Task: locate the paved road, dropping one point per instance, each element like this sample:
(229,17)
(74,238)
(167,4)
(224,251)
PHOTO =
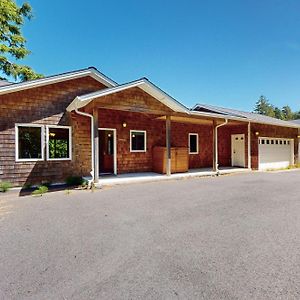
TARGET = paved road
(231,237)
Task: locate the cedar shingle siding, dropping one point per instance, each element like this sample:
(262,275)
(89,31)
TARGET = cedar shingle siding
(44,105)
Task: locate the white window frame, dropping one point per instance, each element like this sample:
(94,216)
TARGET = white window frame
(197,139)
(47,142)
(17,125)
(145,140)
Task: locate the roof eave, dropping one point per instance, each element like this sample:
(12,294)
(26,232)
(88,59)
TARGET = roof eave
(55,79)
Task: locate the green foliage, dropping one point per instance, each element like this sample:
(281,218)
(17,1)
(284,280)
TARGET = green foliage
(58,148)
(12,42)
(74,180)
(287,113)
(5,186)
(264,107)
(42,189)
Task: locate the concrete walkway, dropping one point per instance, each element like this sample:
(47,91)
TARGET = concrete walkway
(109,180)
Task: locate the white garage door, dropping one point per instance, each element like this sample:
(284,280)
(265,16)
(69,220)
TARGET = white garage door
(275,153)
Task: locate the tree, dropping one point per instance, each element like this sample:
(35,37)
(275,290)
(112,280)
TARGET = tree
(297,115)
(278,113)
(12,42)
(287,113)
(263,107)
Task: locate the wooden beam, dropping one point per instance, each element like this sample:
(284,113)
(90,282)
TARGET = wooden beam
(168,145)
(96,145)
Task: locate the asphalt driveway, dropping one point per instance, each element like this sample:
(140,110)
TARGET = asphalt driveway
(231,237)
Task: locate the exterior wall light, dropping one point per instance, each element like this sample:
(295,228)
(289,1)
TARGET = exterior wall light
(257,133)
(124,124)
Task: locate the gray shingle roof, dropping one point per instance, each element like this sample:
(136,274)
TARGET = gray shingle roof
(247,115)
(296,121)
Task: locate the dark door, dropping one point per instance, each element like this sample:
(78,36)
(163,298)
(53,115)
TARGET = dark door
(106,148)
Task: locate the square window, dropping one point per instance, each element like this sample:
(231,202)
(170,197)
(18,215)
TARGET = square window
(193,143)
(276,142)
(137,141)
(272,142)
(58,143)
(268,142)
(29,142)
(263,142)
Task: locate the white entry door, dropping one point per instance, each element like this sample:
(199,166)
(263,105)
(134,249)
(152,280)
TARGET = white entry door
(238,150)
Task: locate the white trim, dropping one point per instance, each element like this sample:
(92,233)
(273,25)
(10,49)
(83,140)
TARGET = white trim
(58,78)
(145,141)
(47,142)
(197,139)
(17,125)
(115,147)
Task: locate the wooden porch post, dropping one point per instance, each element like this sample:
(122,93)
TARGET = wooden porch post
(249,145)
(168,145)
(96,145)
(215,148)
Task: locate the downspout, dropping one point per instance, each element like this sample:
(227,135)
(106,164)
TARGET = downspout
(216,145)
(92,137)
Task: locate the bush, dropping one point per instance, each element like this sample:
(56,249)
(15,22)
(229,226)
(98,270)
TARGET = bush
(74,180)
(42,189)
(4,186)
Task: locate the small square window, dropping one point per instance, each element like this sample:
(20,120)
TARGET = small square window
(137,141)
(276,142)
(263,142)
(272,142)
(280,142)
(193,143)
(268,142)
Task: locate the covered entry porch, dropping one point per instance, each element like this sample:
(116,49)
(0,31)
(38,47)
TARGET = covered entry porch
(128,124)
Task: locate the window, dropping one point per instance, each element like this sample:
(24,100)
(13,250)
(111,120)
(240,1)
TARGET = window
(137,141)
(29,142)
(193,143)
(59,143)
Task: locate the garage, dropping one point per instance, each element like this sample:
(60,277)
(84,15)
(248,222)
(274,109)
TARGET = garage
(275,153)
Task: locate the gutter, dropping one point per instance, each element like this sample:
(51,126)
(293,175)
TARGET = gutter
(92,139)
(216,145)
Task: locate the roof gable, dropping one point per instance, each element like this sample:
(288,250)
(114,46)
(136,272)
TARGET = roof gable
(144,84)
(92,72)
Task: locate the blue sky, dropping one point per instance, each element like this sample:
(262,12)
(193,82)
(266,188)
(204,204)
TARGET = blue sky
(226,53)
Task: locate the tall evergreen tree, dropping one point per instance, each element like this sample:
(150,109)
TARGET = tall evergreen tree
(287,113)
(278,113)
(263,107)
(12,42)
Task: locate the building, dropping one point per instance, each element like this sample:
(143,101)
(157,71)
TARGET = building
(82,123)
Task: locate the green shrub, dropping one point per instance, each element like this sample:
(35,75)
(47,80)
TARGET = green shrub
(42,189)
(4,186)
(74,180)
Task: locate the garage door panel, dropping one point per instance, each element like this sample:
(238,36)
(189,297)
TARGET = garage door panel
(275,153)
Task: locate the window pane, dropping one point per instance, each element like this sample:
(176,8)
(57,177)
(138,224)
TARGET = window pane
(59,143)
(193,143)
(137,141)
(29,141)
